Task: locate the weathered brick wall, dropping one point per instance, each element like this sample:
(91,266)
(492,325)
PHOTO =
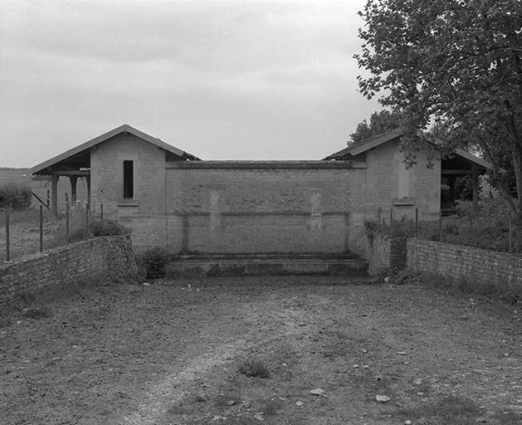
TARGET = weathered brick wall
(383,180)
(385,254)
(145,212)
(462,262)
(108,258)
(260,207)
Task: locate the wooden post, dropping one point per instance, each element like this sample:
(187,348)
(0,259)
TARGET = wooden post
(7,238)
(74,180)
(379,216)
(67,233)
(471,236)
(54,194)
(41,228)
(416,222)
(391,215)
(440,226)
(475,190)
(87,219)
(101,215)
(88,178)
(510,236)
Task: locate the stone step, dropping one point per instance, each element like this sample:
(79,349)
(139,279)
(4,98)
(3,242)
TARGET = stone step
(267,264)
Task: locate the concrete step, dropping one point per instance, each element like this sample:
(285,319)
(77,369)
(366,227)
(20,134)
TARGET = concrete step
(268,264)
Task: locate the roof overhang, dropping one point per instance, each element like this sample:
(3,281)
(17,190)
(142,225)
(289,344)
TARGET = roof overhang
(79,156)
(373,142)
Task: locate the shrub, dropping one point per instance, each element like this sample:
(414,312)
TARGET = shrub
(153,262)
(15,196)
(488,229)
(107,228)
(254,369)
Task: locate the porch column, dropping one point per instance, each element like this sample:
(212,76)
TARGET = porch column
(475,189)
(74,180)
(54,194)
(451,184)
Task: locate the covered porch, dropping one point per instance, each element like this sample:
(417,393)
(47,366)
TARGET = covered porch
(73,168)
(458,165)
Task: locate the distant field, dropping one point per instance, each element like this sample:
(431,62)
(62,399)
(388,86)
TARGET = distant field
(42,187)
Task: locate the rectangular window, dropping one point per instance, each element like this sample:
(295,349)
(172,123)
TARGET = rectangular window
(128,179)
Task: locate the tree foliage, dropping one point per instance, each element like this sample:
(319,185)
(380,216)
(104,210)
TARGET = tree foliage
(380,122)
(16,197)
(453,62)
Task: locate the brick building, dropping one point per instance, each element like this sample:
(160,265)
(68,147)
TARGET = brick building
(174,199)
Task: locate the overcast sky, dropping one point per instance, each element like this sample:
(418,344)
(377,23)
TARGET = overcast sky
(230,79)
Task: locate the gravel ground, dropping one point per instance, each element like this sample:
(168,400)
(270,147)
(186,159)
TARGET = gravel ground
(171,353)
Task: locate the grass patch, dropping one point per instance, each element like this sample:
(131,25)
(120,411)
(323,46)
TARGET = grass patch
(42,312)
(462,286)
(37,304)
(448,410)
(269,407)
(254,368)
(456,410)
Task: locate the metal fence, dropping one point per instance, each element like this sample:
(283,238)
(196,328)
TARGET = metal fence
(34,230)
(466,228)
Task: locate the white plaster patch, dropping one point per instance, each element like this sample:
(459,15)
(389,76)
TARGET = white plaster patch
(215,216)
(316,213)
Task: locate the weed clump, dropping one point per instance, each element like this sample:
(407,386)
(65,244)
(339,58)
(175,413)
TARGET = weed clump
(42,312)
(254,368)
(152,263)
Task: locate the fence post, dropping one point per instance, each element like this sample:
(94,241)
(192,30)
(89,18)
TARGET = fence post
(471,238)
(391,215)
(510,235)
(440,226)
(87,219)
(416,222)
(7,240)
(379,215)
(101,215)
(67,233)
(41,228)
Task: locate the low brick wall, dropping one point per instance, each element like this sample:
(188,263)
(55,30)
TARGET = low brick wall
(108,258)
(457,261)
(385,254)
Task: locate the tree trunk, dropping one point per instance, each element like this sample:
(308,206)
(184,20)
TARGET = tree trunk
(517,164)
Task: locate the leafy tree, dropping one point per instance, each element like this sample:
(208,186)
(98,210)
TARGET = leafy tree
(380,122)
(453,62)
(15,196)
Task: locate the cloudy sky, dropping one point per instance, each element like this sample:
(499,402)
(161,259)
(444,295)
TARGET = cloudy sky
(221,79)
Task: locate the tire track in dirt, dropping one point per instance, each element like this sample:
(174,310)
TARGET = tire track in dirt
(170,390)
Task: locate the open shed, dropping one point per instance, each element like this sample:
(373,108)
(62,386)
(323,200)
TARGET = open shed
(456,164)
(78,162)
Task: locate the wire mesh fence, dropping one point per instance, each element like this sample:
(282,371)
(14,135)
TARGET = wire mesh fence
(490,227)
(32,230)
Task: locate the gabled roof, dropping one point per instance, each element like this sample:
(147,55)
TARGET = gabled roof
(372,142)
(76,152)
(364,145)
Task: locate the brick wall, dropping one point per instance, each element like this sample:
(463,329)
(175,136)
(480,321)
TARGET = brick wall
(108,258)
(456,261)
(261,207)
(386,254)
(383,178)
(145,212)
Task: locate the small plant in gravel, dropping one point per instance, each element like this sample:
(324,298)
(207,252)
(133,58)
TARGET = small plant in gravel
(270,407)
(254,368)
(41,312)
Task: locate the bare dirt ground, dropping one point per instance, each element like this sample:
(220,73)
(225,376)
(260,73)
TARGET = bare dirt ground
(170,353)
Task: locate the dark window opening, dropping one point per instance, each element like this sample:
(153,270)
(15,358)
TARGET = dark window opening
(128,179)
